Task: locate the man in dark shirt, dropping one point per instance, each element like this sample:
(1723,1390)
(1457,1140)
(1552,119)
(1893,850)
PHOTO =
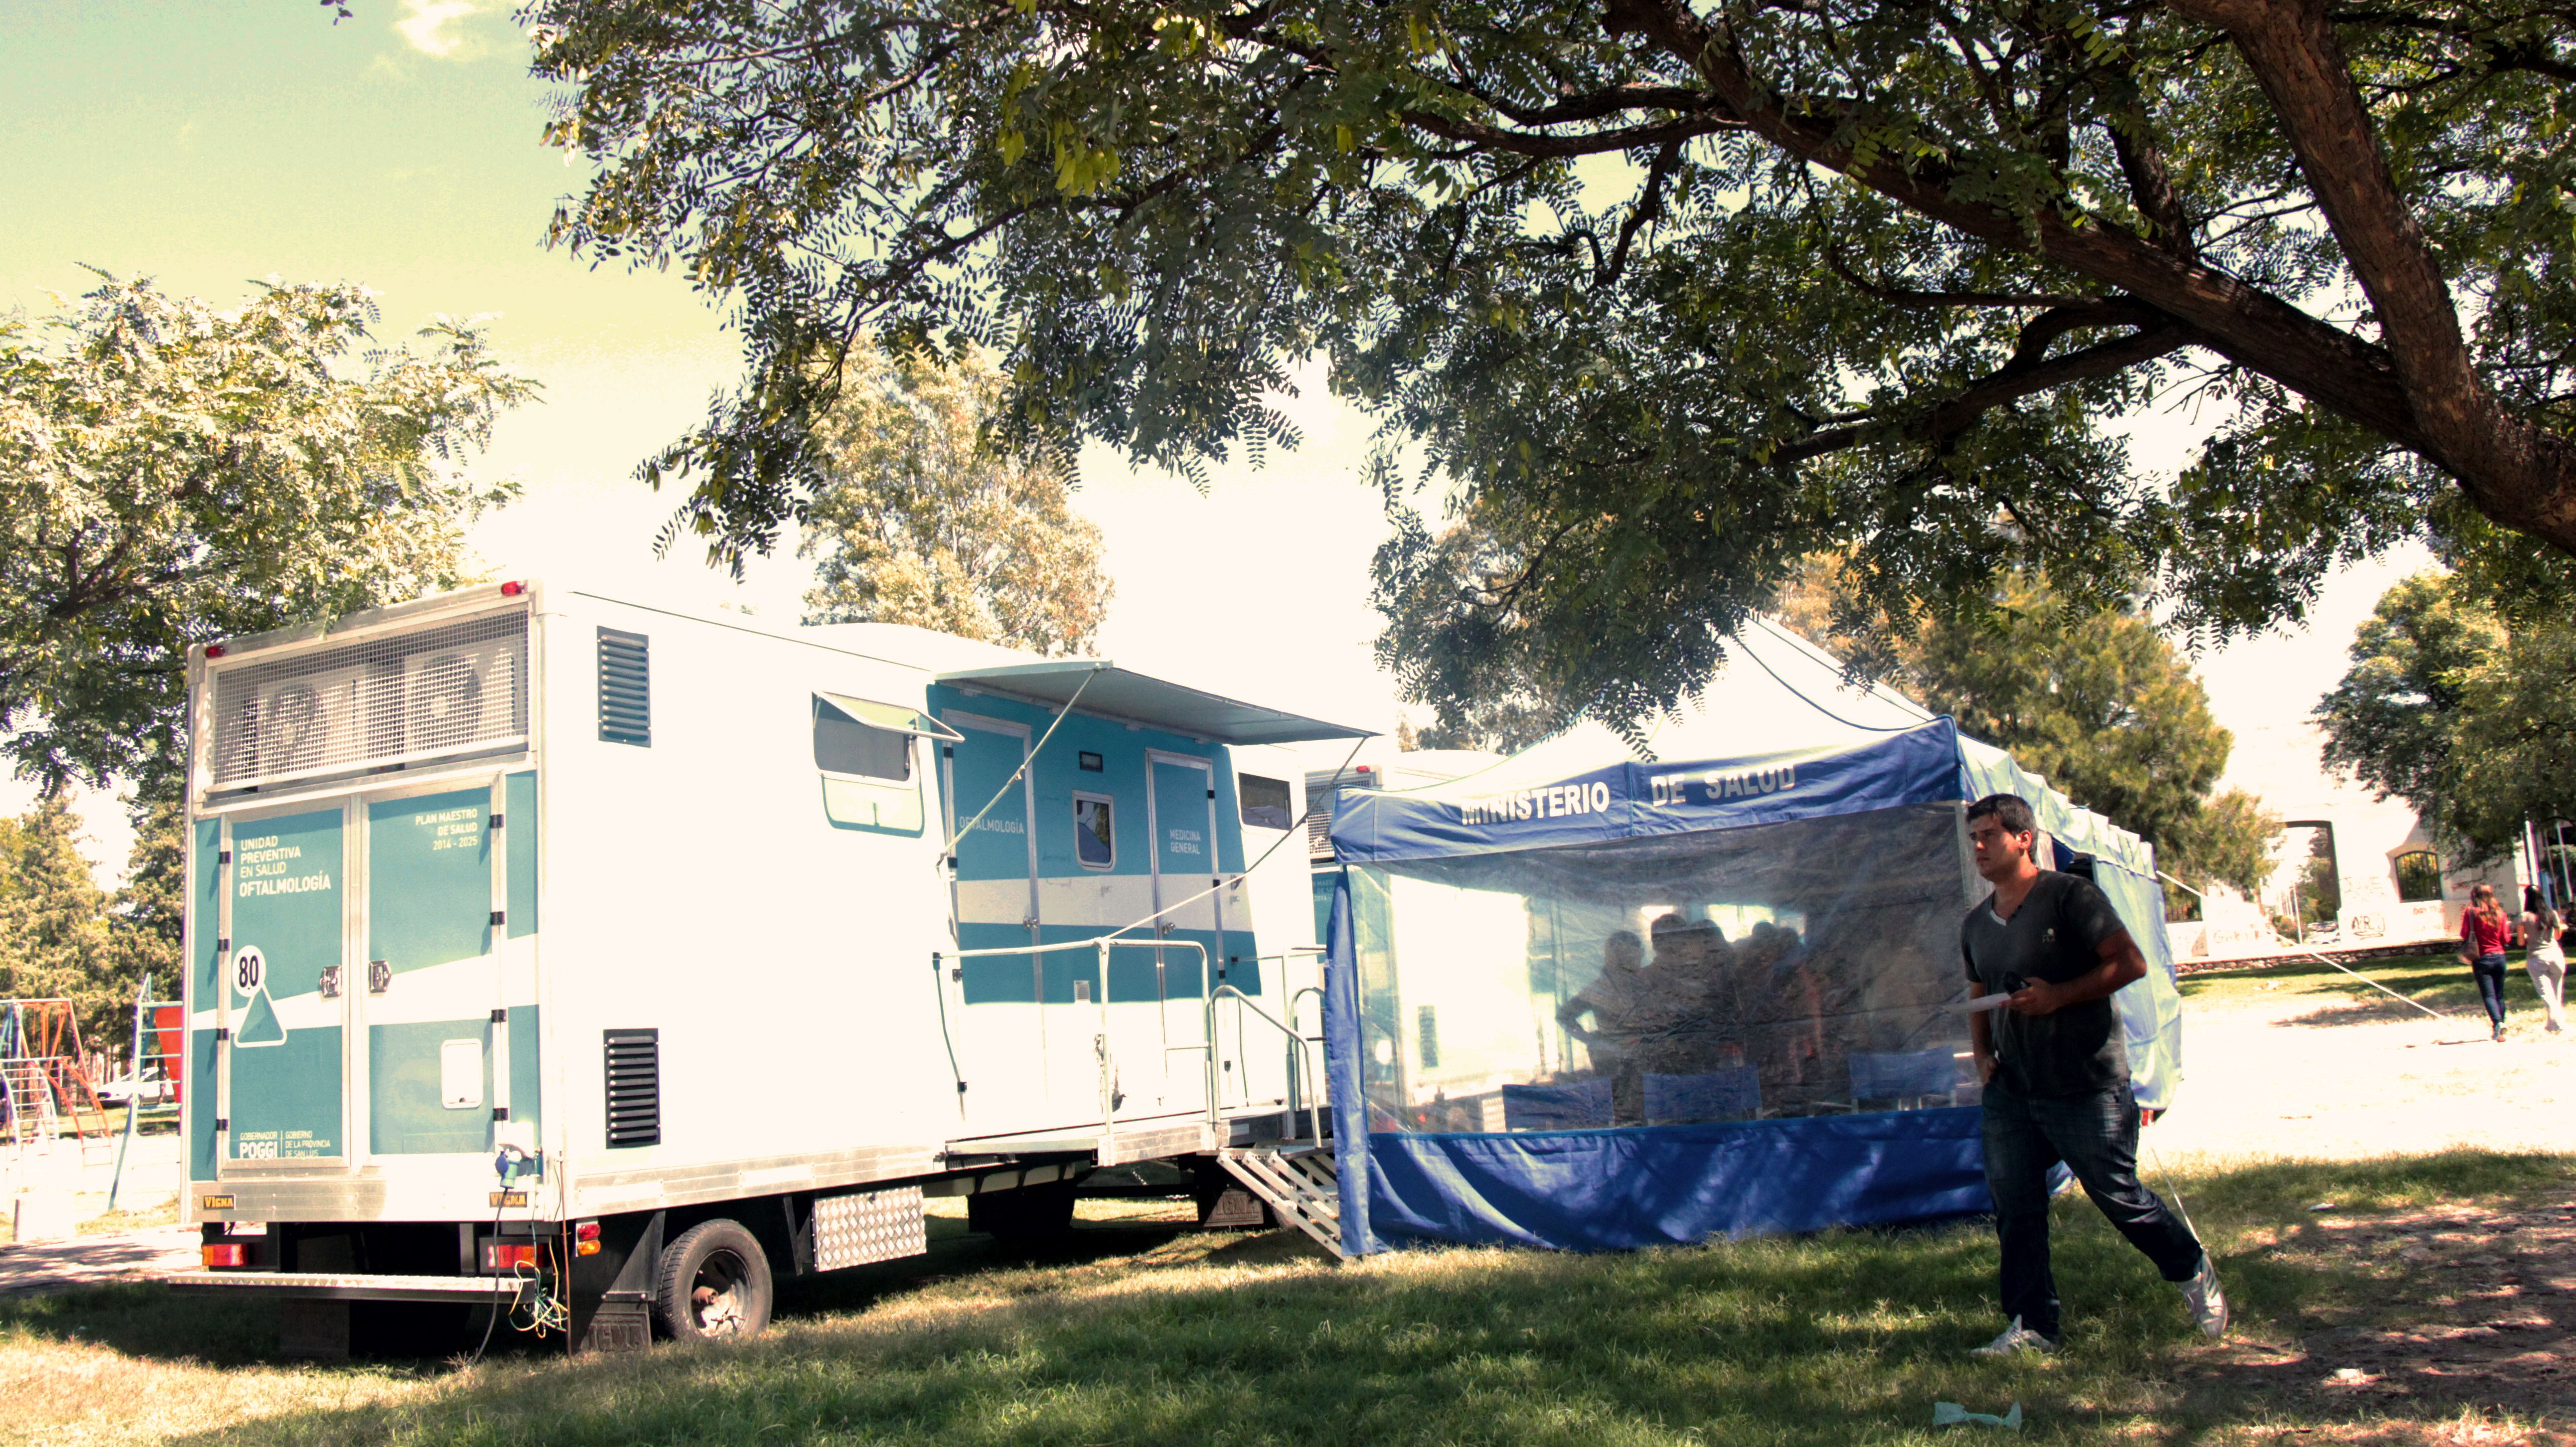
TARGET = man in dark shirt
(2056,1069)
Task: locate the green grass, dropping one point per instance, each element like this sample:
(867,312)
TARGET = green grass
(1142,1332)
(2438,980)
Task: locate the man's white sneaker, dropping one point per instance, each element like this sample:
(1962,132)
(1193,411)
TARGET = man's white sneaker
(2207,1300)
(2016,1339)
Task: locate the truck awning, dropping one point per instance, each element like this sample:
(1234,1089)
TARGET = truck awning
(1132,697)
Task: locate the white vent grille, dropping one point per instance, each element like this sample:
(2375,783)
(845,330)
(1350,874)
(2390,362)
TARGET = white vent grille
(397,699)
(867,1226)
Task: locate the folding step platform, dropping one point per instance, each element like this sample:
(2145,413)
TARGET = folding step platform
(1298,1182)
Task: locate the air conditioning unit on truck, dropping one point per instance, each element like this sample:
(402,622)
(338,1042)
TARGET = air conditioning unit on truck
(596,963)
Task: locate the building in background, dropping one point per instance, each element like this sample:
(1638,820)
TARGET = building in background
(2355,872)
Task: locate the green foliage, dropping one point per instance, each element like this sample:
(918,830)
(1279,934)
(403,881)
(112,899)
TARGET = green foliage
(2392,717)
(54,937)
(2092,699)
(2458,702)
(922,520)
(62,937)
(172,473)
(1663,299)
(2318,890)
(146,917)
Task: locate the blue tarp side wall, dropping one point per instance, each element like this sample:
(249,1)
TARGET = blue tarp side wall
(2151,1010)
(1612,1190)
(1342,1069)
(1594,1190)
(1633,800)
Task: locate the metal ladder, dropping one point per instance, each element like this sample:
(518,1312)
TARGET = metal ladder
(32,1118)
(1298,1181)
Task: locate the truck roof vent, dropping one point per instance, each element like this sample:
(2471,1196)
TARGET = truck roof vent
(625,688)
(386,701)
(634,1087)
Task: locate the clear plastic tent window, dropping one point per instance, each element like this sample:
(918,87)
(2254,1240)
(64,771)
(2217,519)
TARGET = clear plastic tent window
(1788,969)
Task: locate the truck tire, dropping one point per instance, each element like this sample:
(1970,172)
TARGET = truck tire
(712,1283)
(1028,1216)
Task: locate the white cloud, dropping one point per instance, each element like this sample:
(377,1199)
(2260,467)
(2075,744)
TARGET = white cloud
(428,29)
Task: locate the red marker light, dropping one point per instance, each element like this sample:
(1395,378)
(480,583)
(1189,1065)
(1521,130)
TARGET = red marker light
(214,650)
(585,1236)
(512,590)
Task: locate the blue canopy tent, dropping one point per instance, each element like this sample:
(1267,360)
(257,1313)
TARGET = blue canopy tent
(1586,1001)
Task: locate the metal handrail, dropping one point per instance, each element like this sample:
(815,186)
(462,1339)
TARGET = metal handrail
(1297,1061)
(1296,995)
(1300,1065)
(1100,945)
(1101,941)
(1323,1088)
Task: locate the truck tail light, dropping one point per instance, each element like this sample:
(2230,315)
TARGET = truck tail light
(585,1238)
(226,1255)
(509,1255)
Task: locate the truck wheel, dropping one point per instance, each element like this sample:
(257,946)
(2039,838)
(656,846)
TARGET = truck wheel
(713,1282)
(1028,1216)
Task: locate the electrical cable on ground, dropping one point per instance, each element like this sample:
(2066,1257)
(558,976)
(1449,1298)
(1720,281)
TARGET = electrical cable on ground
(500,1198)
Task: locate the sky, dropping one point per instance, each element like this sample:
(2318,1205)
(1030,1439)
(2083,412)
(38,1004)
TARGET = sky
(219,142)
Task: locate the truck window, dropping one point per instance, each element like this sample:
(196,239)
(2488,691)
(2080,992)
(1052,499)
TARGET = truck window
(844,745)
(1265,801)
(1095,832)
(867,771)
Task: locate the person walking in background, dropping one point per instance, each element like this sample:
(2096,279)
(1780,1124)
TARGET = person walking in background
(2485,931)
(2542,955)
(2055,1063)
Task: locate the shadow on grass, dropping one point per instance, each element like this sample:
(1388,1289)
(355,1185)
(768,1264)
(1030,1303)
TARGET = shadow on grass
(1829,1339)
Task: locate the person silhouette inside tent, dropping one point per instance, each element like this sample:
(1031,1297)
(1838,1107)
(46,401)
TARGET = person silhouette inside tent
(1615,1001)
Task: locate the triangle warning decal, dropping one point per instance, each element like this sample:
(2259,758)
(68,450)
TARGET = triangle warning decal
(260,1026)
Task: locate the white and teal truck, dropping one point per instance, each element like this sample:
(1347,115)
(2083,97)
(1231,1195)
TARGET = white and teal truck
(558,954)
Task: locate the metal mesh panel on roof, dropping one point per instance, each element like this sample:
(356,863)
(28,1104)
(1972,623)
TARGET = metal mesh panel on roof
(393,699)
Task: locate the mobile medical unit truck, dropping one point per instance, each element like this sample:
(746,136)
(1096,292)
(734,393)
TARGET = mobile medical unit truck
(597,963)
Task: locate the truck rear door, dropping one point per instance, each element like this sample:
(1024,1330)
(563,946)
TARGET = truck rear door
(283,1017)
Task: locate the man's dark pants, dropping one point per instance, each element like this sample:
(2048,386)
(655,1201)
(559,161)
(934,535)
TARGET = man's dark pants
(2096,1135)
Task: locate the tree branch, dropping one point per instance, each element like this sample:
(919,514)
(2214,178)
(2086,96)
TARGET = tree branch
(1910,297)
(2027,373)
(1588,107)
(2515,472)
(1650,205)
(2247,325)
(1525,143)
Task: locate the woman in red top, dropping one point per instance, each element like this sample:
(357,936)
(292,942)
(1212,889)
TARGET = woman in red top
(2485,931)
